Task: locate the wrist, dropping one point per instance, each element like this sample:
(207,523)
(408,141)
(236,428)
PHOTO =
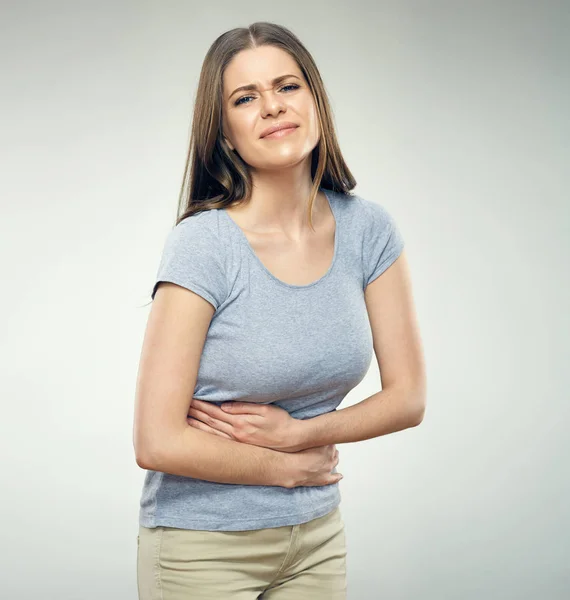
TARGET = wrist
(300,436)
(284,469)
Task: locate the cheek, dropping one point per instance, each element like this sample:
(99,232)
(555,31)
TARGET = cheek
(245,121)
(308,110)
(244,130)
(311,121)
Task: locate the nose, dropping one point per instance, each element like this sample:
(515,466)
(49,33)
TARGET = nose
(271,104)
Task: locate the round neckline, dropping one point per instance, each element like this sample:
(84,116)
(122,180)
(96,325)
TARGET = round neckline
(245,241)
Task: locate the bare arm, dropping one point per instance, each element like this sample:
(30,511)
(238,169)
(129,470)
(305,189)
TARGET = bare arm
(401,403)
(163,441)
(194,453)
(387,411)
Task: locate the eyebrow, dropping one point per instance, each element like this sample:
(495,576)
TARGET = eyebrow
(252,86)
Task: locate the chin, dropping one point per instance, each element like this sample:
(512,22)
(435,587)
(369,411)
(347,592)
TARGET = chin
(281,162)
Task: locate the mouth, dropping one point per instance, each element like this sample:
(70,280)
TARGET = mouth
(280,133)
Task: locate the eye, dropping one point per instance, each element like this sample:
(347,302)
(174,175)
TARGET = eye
(290,85)
(238,102)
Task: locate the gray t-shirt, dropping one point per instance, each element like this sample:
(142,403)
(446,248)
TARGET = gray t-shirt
(300,347)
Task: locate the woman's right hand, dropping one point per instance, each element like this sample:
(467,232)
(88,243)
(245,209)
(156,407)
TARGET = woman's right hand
(313,466)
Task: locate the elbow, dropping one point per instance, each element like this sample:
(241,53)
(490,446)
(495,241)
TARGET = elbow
(152,451)
(146,459)
(417,416)
(155,446)
(143,462)
(148,455)
(418,406)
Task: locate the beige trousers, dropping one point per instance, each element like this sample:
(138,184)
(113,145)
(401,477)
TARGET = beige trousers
(293,562)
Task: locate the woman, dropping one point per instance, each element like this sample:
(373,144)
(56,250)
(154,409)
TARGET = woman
(268,304)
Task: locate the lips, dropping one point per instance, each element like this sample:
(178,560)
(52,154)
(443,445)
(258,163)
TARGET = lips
(278,127)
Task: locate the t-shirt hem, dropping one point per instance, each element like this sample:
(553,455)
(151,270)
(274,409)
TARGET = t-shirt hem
(189,285)
(388,261)
(151,521)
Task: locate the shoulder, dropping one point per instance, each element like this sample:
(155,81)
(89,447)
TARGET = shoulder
(373,214)
(197,233)
(361,209)
(368,218)
(194,257)
(380,239)
(205,222)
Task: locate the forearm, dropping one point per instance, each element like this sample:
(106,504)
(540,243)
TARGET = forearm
(387,411)
(201,455)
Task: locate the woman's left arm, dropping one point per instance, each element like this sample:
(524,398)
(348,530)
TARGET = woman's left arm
(399,405)
(397,345)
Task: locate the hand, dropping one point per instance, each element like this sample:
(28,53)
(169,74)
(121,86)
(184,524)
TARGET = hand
(314,466)
(264,425)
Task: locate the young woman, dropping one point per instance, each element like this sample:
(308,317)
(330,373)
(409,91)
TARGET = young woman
(275,287)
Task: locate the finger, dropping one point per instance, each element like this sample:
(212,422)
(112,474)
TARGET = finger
(243,408)
(211,409)
(207,428)
(214,418)
(211,420)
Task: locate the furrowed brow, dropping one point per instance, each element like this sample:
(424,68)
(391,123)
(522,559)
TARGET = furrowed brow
(252,86)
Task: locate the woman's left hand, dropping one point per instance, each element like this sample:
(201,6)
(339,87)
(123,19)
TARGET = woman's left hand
(264,425)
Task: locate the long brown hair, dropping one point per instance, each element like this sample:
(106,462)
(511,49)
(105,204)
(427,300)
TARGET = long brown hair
(214,175)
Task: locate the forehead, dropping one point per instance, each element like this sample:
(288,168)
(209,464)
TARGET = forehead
(258,66)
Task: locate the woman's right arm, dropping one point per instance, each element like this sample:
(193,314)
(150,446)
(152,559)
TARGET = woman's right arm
(163,441)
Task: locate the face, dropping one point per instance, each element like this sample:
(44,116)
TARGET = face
(247,113)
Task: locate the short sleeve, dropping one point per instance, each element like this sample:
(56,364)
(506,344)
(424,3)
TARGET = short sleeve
(192,258)
(382,243)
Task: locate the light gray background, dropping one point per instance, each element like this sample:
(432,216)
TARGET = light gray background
(453,115)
